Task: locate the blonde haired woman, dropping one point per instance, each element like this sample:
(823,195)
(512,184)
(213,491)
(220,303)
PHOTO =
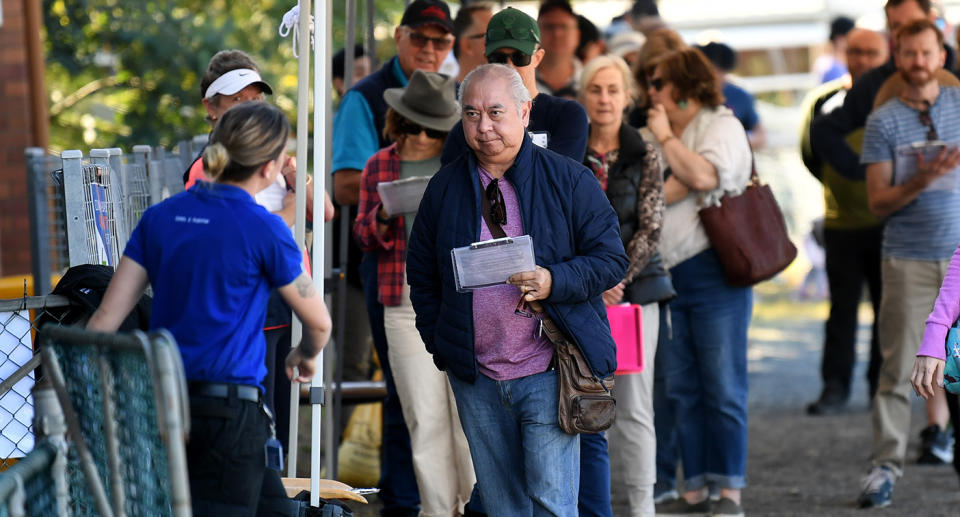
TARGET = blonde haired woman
(215,307)
(628,169)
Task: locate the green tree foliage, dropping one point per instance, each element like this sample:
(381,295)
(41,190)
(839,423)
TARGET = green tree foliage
(121,73)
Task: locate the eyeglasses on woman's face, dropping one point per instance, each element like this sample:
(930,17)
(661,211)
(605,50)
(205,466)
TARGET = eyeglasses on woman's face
(412,128)
(657,83)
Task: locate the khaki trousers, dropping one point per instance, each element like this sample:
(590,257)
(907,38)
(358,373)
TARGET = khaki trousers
(910,288)
(441,456)
(632,440)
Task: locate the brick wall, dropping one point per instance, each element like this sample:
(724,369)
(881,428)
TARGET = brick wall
(15,135)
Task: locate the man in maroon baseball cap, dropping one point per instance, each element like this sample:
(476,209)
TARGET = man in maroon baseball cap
(426,12)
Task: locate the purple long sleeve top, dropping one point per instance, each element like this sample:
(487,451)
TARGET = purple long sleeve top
(945,312)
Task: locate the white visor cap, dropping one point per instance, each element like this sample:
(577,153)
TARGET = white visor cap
(236,80)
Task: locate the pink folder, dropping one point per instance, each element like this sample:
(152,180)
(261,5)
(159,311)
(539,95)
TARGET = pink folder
(627,329)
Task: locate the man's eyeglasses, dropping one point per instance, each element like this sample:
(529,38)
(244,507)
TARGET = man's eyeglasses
(512,33)
(420,40)
(412,128)
(927,120)
(518,58)
(657,83)
(498,210)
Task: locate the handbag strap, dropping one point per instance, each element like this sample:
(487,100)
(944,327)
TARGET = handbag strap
(495,229)
(754,177)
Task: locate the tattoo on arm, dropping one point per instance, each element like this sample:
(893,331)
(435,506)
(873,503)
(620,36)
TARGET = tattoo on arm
(305,286)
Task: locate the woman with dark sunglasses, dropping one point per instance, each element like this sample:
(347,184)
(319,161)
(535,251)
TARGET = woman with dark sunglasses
(418,120)
(705,357)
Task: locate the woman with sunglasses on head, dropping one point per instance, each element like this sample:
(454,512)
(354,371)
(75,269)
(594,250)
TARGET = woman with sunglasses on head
(418,120)
(215,306)
(705,366)
(628,169)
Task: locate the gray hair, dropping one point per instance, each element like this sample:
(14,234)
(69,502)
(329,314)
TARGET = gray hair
(518,92)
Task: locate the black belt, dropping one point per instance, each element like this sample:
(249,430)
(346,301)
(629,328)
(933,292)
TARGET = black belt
(224,391)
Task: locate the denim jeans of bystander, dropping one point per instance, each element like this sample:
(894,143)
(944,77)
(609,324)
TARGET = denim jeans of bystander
(525,464)
(706,372)
(664,419)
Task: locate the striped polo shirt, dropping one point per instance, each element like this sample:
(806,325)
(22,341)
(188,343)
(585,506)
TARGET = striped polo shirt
(928,228)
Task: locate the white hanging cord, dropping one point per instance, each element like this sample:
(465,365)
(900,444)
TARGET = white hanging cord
(290,23)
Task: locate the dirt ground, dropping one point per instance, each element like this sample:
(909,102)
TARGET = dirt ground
(800,465)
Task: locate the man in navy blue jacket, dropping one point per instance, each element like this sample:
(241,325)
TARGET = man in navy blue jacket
(498,364)
(513,39)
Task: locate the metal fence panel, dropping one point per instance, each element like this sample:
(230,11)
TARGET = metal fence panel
(26,488)
(19,320)
(115,390)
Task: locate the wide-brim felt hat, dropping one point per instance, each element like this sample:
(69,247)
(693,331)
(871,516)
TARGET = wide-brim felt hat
(429,99)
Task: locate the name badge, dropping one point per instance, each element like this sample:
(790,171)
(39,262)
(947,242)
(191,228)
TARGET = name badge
(541,138)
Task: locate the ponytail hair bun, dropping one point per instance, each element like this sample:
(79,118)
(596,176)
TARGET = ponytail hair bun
(215,160)
(246,137)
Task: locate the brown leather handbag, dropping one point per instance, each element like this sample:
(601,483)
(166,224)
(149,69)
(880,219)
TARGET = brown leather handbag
(585,403)
(748,234)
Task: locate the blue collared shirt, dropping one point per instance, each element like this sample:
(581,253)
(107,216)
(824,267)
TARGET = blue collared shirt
(212,255)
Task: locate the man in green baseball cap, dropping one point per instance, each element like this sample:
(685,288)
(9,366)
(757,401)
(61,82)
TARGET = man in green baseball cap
(514,29)
(513,39)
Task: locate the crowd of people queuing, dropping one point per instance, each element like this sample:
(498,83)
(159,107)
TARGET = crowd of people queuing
(602,146)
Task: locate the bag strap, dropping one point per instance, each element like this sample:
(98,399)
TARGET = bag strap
(495,229)
(754,177)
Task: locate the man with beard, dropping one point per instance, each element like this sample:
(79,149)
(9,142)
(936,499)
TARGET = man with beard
(921,205)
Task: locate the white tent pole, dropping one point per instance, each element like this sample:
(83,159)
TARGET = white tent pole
(300,221)
(323,14)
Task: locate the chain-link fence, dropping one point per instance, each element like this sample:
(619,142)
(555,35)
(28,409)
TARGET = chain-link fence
(111,387)
(124,401)
(28,488)
(19,321)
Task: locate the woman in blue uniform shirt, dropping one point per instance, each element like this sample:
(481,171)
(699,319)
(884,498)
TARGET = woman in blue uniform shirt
(215,307)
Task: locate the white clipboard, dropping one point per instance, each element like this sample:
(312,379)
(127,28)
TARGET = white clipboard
(905,165)
(402,196)
(489,263)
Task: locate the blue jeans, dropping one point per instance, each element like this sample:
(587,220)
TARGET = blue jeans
(594,500)
(525,464)
(706,372)
(663,415)
(398,482)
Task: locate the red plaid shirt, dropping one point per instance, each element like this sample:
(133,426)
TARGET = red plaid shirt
(392,245)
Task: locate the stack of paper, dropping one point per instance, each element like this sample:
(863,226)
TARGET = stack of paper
(905,166)
(402,196)
(487,263)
